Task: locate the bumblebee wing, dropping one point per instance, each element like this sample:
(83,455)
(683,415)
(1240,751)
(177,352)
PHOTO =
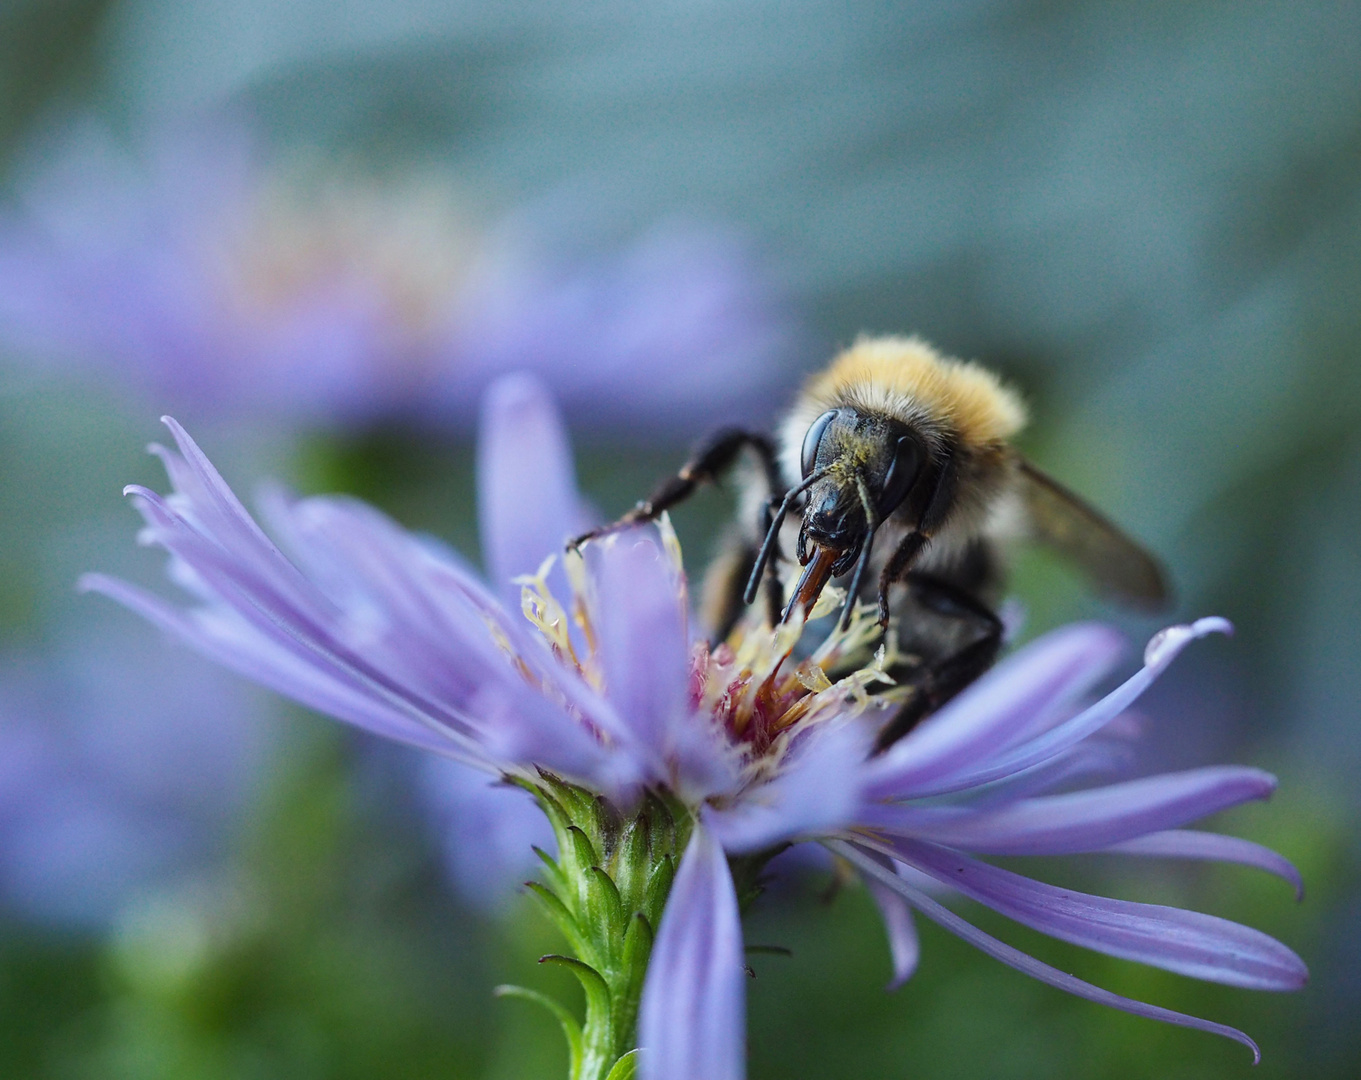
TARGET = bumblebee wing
(1117,564)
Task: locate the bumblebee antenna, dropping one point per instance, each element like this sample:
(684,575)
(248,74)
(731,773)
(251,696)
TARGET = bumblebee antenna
(872,528)
(773,533)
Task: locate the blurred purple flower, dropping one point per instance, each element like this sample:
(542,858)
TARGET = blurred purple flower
(206,277)
(391,633)
(108,792)
(486,830)
(682,330)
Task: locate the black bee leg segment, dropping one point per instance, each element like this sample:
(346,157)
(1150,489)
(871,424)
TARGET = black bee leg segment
(871,527)
(713,456)
(896,567)
(773,534)
(774,590)
(944,676)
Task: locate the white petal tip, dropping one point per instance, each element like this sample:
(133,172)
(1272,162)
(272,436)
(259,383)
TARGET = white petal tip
(1166,643)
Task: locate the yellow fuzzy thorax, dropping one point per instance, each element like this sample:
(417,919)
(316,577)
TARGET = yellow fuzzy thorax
(899,375)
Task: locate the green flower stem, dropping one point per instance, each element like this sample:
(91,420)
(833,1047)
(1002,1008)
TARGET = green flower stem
(605,891)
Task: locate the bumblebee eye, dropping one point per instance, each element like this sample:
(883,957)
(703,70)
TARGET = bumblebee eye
(811,440)
(901,475)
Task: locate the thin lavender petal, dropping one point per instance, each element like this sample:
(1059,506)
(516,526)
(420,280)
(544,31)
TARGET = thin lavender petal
(326,691)
(1162,650)
(1080,820)
(1192,844)
(297,618)
(212,498)
(393,601)
(1014,958)
(395,623)
(692,1018)
(526,492)
(903,943)
(1187,942)
(814,793)
(1044,677)
(642,630)
(1097,758)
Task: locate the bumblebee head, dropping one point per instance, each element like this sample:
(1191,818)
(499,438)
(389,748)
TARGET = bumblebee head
(861,467)
(858,468)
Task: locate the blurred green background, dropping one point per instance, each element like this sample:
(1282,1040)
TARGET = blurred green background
(1148,216)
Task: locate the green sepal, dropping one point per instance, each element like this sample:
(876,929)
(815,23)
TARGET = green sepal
(634,859)
(625,1067)
(636,952)
(570,1028)
(557,815)
(592,982)
(577,804)
(562,917)
(557,880)
(607,825)
(579,850)
(614,903)
(659,887)
(605,889)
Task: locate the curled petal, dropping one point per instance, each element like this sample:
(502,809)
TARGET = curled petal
(1043,678)
(1080,820)
(903,943)
(1187,942)
(692,1018)
(1052,742)
(1022,962)
(1192,844)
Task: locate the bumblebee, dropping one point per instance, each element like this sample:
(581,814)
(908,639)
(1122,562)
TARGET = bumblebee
(894,470)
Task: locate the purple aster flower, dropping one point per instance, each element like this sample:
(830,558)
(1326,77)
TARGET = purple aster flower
(202,274)
(670,769)
(107,793)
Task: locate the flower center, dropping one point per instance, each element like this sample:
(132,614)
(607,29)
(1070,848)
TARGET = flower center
(753,684)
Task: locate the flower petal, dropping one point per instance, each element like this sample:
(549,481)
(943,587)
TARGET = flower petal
(1080,820)
(383,630)
(903,944)
(1187,942)
(1053,741)
(526,492)
(638,610)
(692,1018)
(1044,677)
(1012,957)
(814,792)
(1192,844)
(298,677)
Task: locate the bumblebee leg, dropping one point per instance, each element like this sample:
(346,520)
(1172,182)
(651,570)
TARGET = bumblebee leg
(713,456)
(957,638)
(896,567)
(773,589)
